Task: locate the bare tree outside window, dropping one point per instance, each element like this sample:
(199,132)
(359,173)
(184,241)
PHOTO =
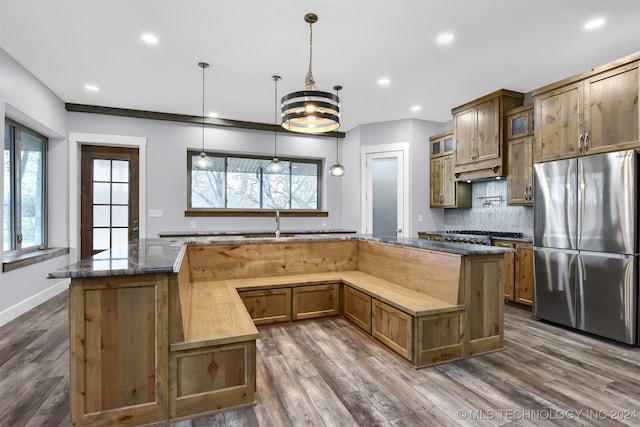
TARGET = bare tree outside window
(246,183)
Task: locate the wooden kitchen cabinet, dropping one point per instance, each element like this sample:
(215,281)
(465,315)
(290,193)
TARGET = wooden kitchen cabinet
(119,349)
(268,306)
(357,308)
(594,112)
(523,288)
(445,192)
(204,379)
(393,327)
(479,135)
(520,156)
(314,301)
(518,271)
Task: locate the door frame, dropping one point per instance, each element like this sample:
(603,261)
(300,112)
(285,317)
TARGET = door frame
(402,198)
(76,141)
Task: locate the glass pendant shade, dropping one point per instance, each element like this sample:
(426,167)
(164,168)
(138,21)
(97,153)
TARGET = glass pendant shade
(203,161)
(337,170)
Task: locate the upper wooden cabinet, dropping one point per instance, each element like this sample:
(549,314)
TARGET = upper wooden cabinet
(480,135)
(444,191)
(520,155)
(594,112)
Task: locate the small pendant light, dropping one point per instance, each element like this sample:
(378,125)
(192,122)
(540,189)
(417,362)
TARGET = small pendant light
(337,169)
(275,166)
(203,161)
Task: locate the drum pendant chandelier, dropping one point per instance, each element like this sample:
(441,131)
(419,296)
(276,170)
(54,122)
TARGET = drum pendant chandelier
(310,110)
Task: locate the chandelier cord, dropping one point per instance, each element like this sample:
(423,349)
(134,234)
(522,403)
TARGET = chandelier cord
(203,67)
(275,116)
(309,82)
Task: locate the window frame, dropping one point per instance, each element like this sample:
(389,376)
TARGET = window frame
(16,199)
(193,153)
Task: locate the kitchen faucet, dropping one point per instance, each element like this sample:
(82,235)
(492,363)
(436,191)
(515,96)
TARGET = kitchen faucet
(277,223)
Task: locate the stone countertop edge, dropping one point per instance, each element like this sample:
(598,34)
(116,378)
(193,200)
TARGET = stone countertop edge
(162,255)
(189,233)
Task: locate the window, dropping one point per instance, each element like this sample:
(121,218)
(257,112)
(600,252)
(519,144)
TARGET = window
(25,186)
(232,182)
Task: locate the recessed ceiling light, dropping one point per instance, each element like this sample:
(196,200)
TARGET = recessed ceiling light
(384,81)
(416,108)
(213,114)
(149,38)
(445,38)
(594,23)
(92,88)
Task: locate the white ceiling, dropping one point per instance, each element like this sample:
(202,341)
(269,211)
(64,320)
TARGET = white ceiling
(513,44)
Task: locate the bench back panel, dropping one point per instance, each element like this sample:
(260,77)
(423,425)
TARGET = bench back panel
(236,261)
(432,273)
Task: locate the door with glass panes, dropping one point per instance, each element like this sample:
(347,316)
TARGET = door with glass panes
(109,199)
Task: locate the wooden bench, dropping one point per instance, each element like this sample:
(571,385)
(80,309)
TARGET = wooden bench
(429,307)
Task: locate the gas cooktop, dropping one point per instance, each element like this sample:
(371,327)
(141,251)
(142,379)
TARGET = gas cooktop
(506,234)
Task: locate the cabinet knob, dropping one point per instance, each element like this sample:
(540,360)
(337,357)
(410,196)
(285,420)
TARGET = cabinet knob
(580,139)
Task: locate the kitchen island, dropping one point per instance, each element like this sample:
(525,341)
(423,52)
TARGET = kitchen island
(167,332)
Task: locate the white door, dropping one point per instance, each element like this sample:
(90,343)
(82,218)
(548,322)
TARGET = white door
(385,193)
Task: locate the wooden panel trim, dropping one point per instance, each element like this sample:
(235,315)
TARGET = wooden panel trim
(488,97)
(253,213)
(184,118)
(585,75)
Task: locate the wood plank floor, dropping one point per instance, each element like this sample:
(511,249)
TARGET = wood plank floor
(329,373)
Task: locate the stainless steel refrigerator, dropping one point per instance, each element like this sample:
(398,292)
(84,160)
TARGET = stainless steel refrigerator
(586,244)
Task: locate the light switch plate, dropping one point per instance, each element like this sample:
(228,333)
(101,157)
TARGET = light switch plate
(157,213)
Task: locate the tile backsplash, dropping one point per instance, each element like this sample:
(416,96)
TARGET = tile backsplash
(490,211)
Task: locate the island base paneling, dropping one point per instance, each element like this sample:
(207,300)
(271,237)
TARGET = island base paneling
(211,379)
(394,328)
(268,306)
(316,301)
(119,350)
(357,308)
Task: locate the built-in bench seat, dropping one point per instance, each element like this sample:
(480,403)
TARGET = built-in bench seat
(429,307)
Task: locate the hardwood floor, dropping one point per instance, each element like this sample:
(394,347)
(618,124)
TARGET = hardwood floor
(328,372)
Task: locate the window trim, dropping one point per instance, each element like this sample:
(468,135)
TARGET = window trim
(16,199)
(191,211)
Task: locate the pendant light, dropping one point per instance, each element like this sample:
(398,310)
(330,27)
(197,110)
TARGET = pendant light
(337,169)
(310,110)
(203,161)
(275,166)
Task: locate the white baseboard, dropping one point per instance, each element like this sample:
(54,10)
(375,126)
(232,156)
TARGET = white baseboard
(22,307)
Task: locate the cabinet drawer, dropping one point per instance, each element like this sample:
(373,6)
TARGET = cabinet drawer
(316,301)
(268,306)
(393,327)
(205,379)
(357,308)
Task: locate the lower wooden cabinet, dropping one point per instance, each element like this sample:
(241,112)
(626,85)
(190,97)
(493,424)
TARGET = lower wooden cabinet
(205,380)
(357,308)
(268,306)
(119,350)
(316,301)
(393,327)
(518,271)
(523,289)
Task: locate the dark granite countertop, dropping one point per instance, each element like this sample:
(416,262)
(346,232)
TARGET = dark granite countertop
(164,255)
(189,233)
